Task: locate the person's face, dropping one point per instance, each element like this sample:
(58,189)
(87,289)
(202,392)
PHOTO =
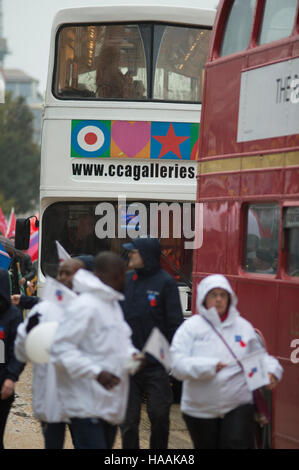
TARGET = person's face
(217,298)
(135,260)
(67,270)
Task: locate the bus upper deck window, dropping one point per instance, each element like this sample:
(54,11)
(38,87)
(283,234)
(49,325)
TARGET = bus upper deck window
(291,227)
(101,62)
(278,20)
(261,239)
(180,55)
(238,27)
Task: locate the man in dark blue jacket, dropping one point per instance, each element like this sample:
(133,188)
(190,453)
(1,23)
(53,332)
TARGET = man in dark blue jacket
(151,300)
(10,368)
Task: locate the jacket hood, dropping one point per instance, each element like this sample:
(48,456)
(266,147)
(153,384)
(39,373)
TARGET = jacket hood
(150,251)
(209,283)
(88,261)
(5,286)
(85,281)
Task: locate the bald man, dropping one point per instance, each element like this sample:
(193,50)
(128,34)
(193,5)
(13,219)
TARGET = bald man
(91,351)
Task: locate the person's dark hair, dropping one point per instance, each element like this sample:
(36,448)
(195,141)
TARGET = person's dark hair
(88,261)
(108,262)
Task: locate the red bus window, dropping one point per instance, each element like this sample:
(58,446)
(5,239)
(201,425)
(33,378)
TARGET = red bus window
(291,227)
(278,20)
(261,239)
(238,27)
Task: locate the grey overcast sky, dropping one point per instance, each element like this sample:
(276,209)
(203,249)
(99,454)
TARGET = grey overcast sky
(27,27)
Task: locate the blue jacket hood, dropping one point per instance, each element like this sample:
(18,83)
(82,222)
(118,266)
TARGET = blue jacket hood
(150,251)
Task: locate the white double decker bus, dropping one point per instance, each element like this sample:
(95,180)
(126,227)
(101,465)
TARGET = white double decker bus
(121,129)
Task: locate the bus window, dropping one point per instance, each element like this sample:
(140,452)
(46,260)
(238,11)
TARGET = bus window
(291,226)
(73,224)
(131,62)
(180,60)
(278,20)
(238,27)
(261,239)
(105,62)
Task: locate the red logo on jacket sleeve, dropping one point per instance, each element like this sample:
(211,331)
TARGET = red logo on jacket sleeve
(2,333)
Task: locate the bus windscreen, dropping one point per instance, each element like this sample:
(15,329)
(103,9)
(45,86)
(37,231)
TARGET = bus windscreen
(131,62)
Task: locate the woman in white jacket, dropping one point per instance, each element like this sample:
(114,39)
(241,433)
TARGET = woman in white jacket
(217,404)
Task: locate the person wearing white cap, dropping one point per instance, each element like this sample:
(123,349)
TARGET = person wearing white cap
(207,353)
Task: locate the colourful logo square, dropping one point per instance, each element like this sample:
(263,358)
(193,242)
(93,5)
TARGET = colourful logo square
(91,139)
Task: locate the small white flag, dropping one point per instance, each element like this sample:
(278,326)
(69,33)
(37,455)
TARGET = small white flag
(56,292)
(158,346)
(62,253)
(255,370)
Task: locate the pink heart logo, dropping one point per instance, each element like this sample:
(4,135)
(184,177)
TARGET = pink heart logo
(131,137)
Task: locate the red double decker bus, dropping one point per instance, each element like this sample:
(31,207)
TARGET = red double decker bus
(248,181)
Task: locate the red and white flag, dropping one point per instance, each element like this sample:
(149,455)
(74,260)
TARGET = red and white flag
(11,228)
(158,346)
(255,370)
(3,223)
(62,253)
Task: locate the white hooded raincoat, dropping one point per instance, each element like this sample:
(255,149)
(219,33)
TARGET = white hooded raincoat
(92,337)
(196,350)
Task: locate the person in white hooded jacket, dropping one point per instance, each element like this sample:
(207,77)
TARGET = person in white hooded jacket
(90,351)
(216,402)
(45,401)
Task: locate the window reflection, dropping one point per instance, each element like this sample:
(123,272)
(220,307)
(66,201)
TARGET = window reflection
(261,235)
(101,62)
(131,62)
(238,27)
(73,225)
(291,227)
(180,64)
(278,20)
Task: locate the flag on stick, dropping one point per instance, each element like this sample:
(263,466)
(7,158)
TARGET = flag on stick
(3,223)
(255,370)
(62,253)
(33,246)
(158,346)
(11,229)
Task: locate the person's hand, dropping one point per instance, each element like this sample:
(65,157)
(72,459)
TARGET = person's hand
(30,287)
(15,299)
(7,389)
(22,281)
(220,366)
(107,380)
(273,382)
(139,360)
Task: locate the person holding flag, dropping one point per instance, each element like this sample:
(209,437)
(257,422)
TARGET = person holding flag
(46,402)
(219,357)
